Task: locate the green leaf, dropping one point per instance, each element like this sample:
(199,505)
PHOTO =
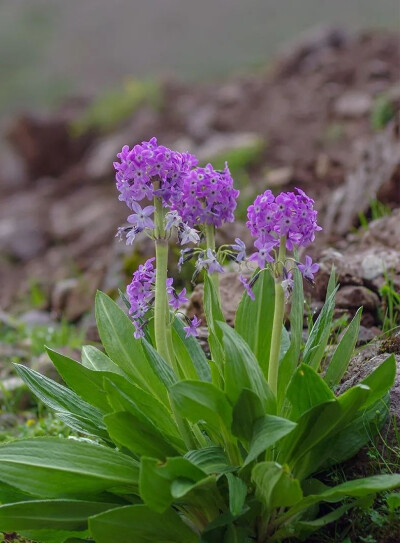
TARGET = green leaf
(200,401)
(304,528)
(86,383)
(243,371)
(139,524)
(56,536)
(142,438)
(266,431)
(357,488)
(246,411)
(210,460)
(213,313)
(160,367)
(290,360)
(83,425)
(237,493)
(53,467)
(9,494)
(393,501)
(50,514)
(306,389)
(274,486)
(343,352)
(190,355)
(58,397)
(254,319)
(319,335)
(141,404)
(116,333)
(156,480)
(94,359)
(381,380)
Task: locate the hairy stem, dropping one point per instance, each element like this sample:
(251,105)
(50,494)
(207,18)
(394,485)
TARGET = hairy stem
(278,321)
(210,243)
(161,324)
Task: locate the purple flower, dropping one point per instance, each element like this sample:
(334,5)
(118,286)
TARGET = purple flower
(191,329)
(177,300)
(188,235)
(208,197)
(287,283)
(240,247)
(263,255)
(212,263)
(150,169)
(308,269)
(141,218)
(247,287)
(289,214)
(172,219)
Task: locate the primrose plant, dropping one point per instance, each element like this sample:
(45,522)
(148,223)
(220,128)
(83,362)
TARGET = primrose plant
(177,447)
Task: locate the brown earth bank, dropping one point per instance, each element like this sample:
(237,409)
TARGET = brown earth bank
(305,121)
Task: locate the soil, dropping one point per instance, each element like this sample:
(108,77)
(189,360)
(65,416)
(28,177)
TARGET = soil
(311,110)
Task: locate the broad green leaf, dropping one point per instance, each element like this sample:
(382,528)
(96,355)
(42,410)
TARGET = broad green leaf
(237,493)
(213,313)
(349,440)
(10,494)
(116,333)
(343,352)
(189,354)
(319,335)
(357,488)
(393,501)
(94,359)
(83,425)
(139,524)
(274,486)
(86,383)
(304,528)
(254,319)
(246,411)
(200,401)
(306,389)
(210,460)
(55,467)
(160,367)
(266,431)
(317,425)
(156,479)
(242,370)
(331,283)
(141,438)
(56,396)
(290,360)
(141,404)
(381,380)
(50,514)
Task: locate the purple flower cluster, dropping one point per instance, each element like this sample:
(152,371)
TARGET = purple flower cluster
(207,197)
(150,169)
(288,214)
(140,294)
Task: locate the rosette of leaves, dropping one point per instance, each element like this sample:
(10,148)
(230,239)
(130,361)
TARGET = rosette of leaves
(206,455)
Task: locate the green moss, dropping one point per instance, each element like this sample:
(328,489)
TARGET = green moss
(382,112)
(239,159)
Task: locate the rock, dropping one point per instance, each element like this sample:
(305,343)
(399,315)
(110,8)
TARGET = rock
(365,335)
(279,177)
(199,122)
(22,237)
(61,292)
(231,292)
(353,104)
(36,317)
(100,158)
(14,389)
(352,297)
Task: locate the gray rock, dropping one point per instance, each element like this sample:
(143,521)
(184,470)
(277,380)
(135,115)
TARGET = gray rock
(353,297)
(36,317)
(353,104)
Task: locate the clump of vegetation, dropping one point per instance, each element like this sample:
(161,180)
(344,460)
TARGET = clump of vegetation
(184,448)
(383,111)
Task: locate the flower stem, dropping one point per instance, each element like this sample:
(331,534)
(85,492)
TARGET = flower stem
(278,321)
(161,324)
(210,243)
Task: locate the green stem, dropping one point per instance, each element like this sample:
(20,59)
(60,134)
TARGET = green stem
(278,321)
(161,324)
(210,243)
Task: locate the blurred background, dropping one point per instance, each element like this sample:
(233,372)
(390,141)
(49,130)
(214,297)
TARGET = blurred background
(52,48)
